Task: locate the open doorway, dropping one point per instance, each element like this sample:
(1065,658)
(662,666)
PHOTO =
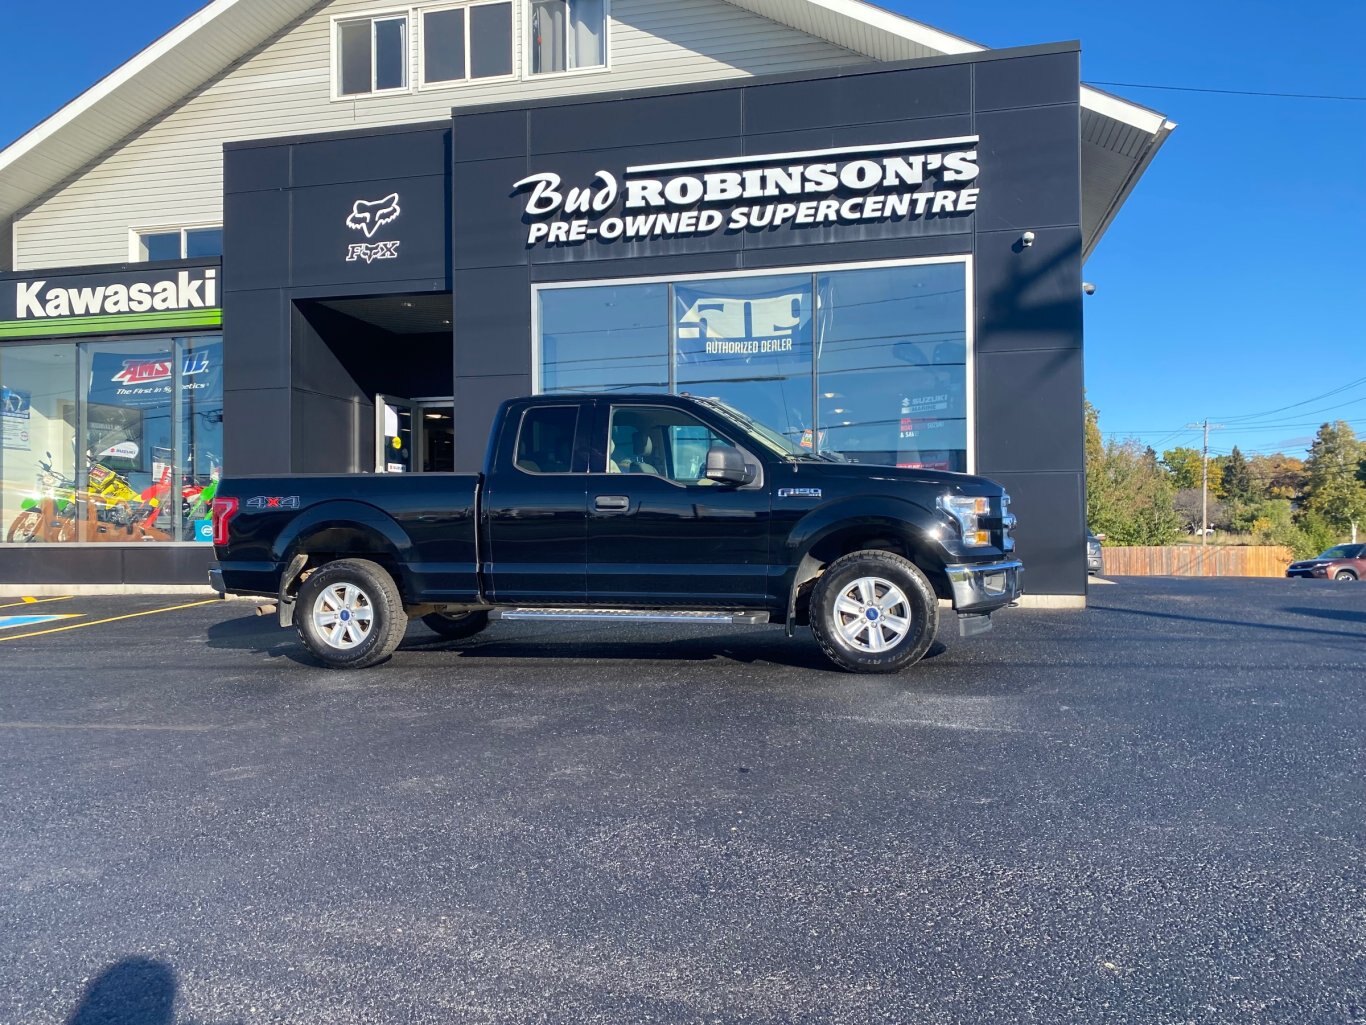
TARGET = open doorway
(357,363)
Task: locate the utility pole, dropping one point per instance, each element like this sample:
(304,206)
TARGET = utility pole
(1204,479)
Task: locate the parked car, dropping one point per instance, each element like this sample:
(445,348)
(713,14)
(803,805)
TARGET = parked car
(625,508)
(1341,562)
(1095,558)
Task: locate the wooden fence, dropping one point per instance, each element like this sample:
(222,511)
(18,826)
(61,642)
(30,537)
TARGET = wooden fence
(1192,561)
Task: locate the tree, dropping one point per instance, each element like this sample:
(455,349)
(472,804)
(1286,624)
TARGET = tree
(1130,496)
(1235,481)
(1334,488)
(1184,466)
(1277,476)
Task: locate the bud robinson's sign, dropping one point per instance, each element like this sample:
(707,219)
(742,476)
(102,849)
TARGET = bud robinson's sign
(846,185)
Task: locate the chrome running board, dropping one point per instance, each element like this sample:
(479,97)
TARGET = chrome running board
(719,617)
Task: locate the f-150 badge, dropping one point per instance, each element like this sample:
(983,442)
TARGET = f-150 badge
(799,492)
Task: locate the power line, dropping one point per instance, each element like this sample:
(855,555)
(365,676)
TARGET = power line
(1294,405)
(1233,92)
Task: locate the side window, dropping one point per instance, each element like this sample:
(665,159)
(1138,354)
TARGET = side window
(545,441)
(662,442)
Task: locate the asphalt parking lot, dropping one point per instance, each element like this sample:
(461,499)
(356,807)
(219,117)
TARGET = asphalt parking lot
(1150,811)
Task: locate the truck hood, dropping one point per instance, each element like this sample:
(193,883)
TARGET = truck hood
(871,473)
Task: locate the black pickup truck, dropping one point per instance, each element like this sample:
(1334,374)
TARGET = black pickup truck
(636,508)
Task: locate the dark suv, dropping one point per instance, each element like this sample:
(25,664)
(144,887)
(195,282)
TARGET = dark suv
(1341,562)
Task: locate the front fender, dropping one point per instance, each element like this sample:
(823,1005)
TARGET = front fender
(915,526)
(903,519)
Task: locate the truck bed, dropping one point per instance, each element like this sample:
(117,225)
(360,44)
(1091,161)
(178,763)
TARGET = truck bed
(424,524)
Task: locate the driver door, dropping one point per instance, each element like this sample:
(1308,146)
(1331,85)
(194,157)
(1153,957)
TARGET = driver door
(659,532)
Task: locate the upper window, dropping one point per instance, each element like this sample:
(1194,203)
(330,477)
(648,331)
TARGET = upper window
(545,442)
(467,43)
(372,55)
(567,35)
(178,243)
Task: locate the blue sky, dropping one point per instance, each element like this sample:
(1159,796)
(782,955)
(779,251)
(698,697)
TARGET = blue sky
(1232,284)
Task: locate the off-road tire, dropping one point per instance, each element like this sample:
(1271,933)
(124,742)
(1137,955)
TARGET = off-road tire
(456,627)
(1344,575)
(378,593)
(828,618)
(25,526)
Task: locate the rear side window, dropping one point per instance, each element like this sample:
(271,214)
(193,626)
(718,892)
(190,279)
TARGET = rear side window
(545,441)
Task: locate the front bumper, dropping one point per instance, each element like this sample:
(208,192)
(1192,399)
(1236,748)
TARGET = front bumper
(1308,572)
(985,587)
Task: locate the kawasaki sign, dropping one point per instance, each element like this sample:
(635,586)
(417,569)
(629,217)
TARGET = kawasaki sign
(128,299)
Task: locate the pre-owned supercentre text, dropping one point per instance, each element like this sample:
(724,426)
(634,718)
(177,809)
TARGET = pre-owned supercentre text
(857,184)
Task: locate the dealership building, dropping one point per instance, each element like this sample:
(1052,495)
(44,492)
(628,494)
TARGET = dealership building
(301,237)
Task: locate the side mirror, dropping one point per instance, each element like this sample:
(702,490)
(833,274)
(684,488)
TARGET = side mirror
(727,466)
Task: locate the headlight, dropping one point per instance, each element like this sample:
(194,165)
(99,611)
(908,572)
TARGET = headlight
(966,511)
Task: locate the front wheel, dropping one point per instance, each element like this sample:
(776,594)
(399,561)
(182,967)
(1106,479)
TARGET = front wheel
(874,612)
(350,614)
(455,626)
(1344,575)
(25,527)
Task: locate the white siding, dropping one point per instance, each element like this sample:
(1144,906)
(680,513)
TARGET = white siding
(171,172)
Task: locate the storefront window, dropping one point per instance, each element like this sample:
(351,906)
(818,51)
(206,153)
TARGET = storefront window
(880,352)
(893,365)
(747,341)
(111,440)
(200,435)
(605,338)
(38,442)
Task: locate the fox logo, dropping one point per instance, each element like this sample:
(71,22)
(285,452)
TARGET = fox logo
(369,217)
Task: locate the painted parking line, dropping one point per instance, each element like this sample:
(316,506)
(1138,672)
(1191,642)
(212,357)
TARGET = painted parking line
(110,619)
(15,622)
(34,601)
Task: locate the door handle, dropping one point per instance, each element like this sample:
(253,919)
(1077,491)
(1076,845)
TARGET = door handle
(612,503)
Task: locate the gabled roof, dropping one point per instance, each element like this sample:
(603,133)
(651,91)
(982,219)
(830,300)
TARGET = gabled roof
(1119,138)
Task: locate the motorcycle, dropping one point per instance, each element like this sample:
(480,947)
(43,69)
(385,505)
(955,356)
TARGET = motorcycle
(114,511)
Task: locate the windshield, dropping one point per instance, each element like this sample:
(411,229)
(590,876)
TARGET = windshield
(772,440)
(1340,552)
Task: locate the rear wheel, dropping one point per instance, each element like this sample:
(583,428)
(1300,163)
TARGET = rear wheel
(350,614)
(1344,575)
(455,626)
(874,612)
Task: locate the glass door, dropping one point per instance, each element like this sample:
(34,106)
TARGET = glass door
(435,426)
(394,435)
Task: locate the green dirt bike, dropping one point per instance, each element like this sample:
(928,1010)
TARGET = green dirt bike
(49,514)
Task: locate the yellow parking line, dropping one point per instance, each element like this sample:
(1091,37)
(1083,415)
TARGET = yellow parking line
(33,601)
(111,619)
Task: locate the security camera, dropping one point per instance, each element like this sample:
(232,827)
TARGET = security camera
(1027,239)
(1088,288)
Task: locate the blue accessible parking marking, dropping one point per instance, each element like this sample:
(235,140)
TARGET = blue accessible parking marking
(10,622)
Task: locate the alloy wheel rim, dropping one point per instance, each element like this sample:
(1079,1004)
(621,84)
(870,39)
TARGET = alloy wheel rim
(343,615)
(872,614)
